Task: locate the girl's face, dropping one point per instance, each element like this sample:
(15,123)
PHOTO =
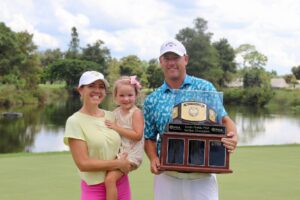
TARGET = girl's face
(125,96)
(94,93)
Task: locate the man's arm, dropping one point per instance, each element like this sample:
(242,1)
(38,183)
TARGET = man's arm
(150,149)
(230,142)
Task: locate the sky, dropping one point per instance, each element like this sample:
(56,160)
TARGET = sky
(139,27)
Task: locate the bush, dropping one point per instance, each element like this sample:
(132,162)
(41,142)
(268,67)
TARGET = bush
(233,96)
(257,96)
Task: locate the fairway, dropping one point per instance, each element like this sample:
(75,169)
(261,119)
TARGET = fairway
(267,172)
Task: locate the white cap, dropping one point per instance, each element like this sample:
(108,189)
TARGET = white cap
(89,77)
(172,46)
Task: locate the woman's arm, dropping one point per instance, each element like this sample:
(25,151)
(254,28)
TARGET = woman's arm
(81,158)
(136,133)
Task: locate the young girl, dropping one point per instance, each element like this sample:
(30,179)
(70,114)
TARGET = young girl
(130,125)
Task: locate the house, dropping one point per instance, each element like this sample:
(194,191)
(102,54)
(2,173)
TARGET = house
(237,83)
(278,83)
(275,83)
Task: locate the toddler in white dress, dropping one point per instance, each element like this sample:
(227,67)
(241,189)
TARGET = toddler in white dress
(130,125)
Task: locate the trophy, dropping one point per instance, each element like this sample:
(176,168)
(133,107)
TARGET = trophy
(192,139)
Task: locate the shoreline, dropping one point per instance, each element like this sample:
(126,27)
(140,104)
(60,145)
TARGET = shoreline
(22,154)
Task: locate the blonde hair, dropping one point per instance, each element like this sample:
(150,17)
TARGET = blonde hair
(127,80)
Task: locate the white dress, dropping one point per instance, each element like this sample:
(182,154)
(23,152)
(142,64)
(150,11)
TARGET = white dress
(134,149)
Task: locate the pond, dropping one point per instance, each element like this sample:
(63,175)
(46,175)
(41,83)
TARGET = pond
(41,129)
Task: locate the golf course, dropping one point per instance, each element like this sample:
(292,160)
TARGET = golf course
(259,172)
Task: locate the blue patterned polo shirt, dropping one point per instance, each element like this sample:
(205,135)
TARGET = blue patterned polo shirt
(158,105)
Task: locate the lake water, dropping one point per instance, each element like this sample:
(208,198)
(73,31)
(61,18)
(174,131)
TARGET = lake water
(41,129)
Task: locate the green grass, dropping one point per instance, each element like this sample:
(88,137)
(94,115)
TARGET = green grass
(285,100)
(52,86)
(267,172)
(54,92)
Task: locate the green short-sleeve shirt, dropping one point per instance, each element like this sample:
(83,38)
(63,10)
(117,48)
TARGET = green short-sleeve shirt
(103,143)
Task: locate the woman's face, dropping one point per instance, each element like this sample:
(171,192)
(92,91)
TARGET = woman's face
(94,93)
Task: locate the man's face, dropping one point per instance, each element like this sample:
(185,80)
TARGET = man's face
(173,66)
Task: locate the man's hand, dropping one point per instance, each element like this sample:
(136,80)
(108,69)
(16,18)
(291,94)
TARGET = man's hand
(155,165)
(230,141)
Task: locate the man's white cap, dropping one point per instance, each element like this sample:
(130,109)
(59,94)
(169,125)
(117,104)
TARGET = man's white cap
(89,77)
(174,46)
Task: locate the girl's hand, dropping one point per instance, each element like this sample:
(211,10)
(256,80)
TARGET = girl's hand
(110,124)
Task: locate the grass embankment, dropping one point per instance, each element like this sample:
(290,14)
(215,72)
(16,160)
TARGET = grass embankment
(285,100)
(10,95)
(267,172)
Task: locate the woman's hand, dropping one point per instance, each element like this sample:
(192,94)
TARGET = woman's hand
(125,165)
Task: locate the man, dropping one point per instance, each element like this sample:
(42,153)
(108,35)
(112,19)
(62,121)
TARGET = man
(171,185)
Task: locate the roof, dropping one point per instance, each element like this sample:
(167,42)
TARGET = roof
(278,83)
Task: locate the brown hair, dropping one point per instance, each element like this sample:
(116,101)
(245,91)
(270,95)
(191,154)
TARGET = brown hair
(127,80)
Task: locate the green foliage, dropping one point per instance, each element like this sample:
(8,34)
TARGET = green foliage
(226,56)
(131,65)
(98,54)
(233,96)
(252,96)
(296,72)
(256,77)
(251,57)
(49,56)
(258,91)
(8,50)
(11,95)
(291,79)
(113,70)
(203,56)
(285,101)
(257,96)
(155,74)
(18,59)
(70,70)
(73,51)
(53,93)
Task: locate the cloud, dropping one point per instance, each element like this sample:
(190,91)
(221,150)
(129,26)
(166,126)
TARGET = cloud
(271,26)
(138,27)
(67,20)
(18,16)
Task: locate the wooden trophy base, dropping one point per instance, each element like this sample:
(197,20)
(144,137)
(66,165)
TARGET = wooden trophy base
(190,152)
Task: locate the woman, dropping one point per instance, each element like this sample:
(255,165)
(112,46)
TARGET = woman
(94,147)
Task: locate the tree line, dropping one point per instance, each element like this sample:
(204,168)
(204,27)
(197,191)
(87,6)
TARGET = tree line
(22,65)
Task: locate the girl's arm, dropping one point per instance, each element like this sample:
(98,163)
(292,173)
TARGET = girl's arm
(80,156)
(136,133)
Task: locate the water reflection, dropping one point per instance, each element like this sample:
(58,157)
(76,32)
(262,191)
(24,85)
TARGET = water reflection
(37,129)
(41,129)
(260,127)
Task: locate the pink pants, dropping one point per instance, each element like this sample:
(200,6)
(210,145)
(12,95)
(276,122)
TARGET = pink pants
(98,192)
